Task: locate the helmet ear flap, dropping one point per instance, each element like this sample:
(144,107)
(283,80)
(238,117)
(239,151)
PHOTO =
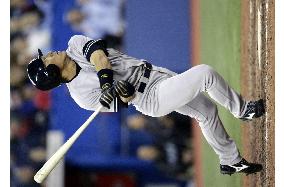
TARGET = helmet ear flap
(53,73)
(48,78)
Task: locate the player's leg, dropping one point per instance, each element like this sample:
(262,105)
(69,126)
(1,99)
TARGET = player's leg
(182,88)
(206,113)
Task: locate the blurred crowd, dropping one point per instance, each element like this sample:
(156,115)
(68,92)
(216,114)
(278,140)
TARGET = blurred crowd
(98,19)
(30,29)
(29,107)
(171,149)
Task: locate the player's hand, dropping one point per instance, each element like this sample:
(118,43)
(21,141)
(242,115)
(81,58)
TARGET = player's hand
(125,90)
(108,95)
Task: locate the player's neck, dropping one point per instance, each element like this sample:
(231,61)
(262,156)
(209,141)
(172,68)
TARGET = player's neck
(69,71)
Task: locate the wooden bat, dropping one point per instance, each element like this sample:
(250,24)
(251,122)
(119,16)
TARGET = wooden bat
(59,154)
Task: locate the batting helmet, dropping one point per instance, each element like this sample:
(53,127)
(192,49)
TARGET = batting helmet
(43,78)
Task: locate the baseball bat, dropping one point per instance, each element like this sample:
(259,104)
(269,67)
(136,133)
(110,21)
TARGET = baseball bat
(59,154)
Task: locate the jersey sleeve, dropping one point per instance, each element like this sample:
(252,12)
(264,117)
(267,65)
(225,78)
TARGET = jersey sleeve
(92,102)
(85,46)
(87,98)
(93,45)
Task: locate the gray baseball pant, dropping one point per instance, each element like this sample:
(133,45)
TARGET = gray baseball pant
(184,94)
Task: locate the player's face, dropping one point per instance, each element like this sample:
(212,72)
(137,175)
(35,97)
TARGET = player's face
(58,58)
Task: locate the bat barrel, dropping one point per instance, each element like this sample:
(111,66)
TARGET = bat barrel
(59,154)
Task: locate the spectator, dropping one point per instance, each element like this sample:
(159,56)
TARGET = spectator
(169,158)
(28,106)
(174,126)
(98,19)
(171,152)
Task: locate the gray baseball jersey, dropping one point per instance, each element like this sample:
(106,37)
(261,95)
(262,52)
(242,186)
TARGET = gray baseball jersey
(165,92)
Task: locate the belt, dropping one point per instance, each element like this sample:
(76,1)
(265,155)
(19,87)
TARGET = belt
(144,80)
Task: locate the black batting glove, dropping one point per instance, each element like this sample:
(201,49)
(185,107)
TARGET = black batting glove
(124,88)
(108,95)
(106,81)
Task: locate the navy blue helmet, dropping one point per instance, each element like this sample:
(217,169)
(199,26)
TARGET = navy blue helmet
(43,78)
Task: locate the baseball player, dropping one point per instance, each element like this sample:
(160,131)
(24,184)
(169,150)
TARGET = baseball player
(96,75)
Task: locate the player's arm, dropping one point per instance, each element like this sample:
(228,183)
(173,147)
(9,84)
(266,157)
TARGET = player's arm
(102,64)
(96,53)
(103,67)
(99,60)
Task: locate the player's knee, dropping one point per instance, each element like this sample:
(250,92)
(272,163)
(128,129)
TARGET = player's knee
(212,108)
(211,112)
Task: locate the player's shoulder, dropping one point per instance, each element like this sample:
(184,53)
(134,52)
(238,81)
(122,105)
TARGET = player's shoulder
(78,39)
(82,40)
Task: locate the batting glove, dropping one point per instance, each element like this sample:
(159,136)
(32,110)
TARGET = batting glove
(124,89)
(108,95)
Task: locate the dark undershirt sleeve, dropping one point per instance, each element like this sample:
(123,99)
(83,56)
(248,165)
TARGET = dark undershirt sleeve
(92,46)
